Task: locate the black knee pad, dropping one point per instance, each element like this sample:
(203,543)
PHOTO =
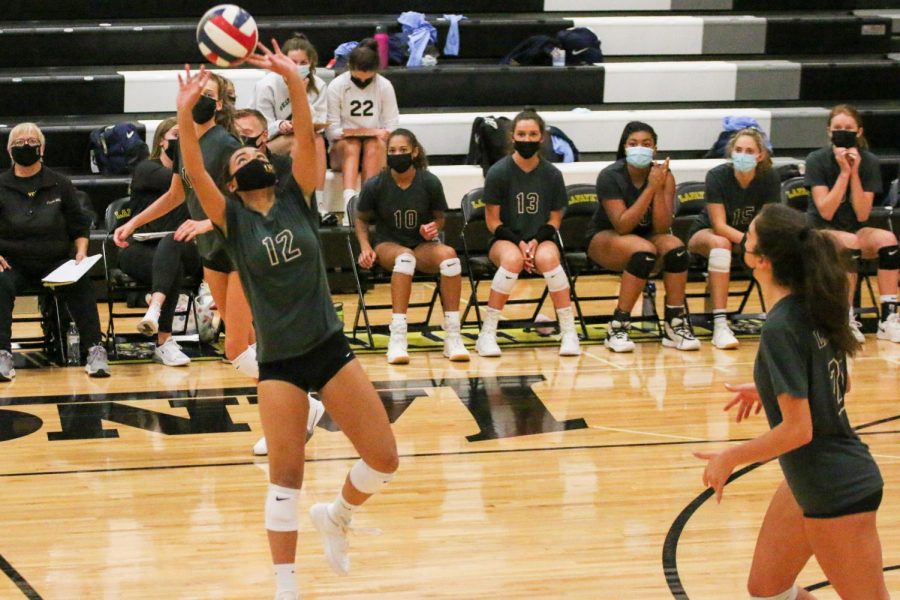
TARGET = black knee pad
(676,260)
(851,258)
(641,264)
(889,258)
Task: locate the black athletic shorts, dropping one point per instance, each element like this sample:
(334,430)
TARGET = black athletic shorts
(817,222)
(219,261)
(311,371)
(868,504)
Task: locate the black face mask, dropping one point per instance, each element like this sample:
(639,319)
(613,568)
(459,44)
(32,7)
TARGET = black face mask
(172,150)
(843,139)
(26,155)
(400,162)
(361,83)
(253,142)
(204,110)
(526,149)
(255,175)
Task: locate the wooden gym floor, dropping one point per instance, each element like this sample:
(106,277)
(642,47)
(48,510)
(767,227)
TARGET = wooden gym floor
(528,476)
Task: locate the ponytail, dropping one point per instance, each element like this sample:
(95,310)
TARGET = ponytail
(807,262)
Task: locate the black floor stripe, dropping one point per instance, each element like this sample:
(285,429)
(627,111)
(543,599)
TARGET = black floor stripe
(670,545)
(822,584)
(17,579)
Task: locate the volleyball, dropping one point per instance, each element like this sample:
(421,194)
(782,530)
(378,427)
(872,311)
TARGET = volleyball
(227,35)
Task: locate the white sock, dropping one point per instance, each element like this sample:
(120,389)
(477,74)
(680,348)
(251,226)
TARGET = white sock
(720,317)
(566,319)
(285,579)
(340,510)
(348,194)
(491,319)
(320,201)
(889,298)
(451,319)
(398,319)
(852,314)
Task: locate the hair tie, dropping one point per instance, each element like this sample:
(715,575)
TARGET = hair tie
(804,234)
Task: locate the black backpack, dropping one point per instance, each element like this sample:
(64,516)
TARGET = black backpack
(117,149)
(489,141)
(582,46)
(532,52)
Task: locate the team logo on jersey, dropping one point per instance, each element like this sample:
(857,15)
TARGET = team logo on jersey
(821,340)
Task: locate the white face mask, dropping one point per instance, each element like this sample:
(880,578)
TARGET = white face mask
(743,162)
(303,70)
(638,156)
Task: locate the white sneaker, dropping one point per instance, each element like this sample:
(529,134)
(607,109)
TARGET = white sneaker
(487,344)
(454,349)
(316,412)
(149,325)
(334,538)
(856,331)
(889,329)
(677,334)
(569,344)
(97,364)
(170,354)
(7,370)
(723,338)
(396,353)
(617,337)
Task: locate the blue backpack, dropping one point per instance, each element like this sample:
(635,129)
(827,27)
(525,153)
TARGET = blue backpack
(117,149)
(582,46)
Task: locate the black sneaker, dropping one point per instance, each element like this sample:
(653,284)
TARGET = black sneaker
(330,220)
(7,371)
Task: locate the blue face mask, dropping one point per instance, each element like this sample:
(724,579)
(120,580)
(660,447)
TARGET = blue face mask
(303,71)
(639,156)
(743,163)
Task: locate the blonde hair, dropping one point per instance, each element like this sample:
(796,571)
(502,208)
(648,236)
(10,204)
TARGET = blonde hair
(25,128)
(850,111)
(760,139)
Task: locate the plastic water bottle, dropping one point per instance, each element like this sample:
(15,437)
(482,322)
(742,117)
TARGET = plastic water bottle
(73,346)
(559,57)
(381,38)
(648,308)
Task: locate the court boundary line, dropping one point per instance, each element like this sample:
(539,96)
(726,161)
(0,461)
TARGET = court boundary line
(670,545)
(18,580)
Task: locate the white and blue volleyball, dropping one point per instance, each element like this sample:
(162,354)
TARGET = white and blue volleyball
(227,35)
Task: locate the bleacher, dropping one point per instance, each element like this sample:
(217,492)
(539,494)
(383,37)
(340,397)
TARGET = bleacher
(680,65)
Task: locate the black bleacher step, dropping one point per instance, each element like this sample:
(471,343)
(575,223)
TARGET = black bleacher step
(173,41)
(844,34)
(24,10)
(94,90)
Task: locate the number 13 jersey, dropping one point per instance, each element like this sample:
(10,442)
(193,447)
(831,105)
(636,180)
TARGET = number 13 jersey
(279,261)
(352,107)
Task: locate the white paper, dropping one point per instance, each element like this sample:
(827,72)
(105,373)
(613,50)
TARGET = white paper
(145,237)
(69,272)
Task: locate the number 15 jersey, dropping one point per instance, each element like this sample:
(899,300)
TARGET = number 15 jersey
(352,107)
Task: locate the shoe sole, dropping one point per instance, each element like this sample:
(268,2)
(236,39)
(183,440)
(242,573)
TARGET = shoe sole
(400,360)
(99,374)
(7,378)
(561,353)
(489,354)
(618,351)
(146,328)
(727,346)
(457,357)
(670,344)
(162,362)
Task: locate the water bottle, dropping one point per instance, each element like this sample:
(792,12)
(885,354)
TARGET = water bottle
(73,346)
(559,57)
(648,308)
(381,38)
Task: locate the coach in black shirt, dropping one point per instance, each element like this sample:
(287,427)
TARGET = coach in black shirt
(40,221)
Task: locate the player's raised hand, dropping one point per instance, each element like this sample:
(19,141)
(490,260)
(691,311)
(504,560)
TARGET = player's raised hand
(190,87)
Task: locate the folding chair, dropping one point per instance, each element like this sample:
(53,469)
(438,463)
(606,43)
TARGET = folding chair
(366,278)
(476,240)
(52,338)
(795,194)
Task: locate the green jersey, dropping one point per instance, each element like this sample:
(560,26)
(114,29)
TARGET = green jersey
(216,146)
(835,469)
(279,261)
(399,213)
(525,199)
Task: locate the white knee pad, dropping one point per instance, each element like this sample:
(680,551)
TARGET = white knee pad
(366,479)
(504,281)
(450,267)
(790,594)
(405,264)
(719,260)
(246,364)
(281,508)
(556,279)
